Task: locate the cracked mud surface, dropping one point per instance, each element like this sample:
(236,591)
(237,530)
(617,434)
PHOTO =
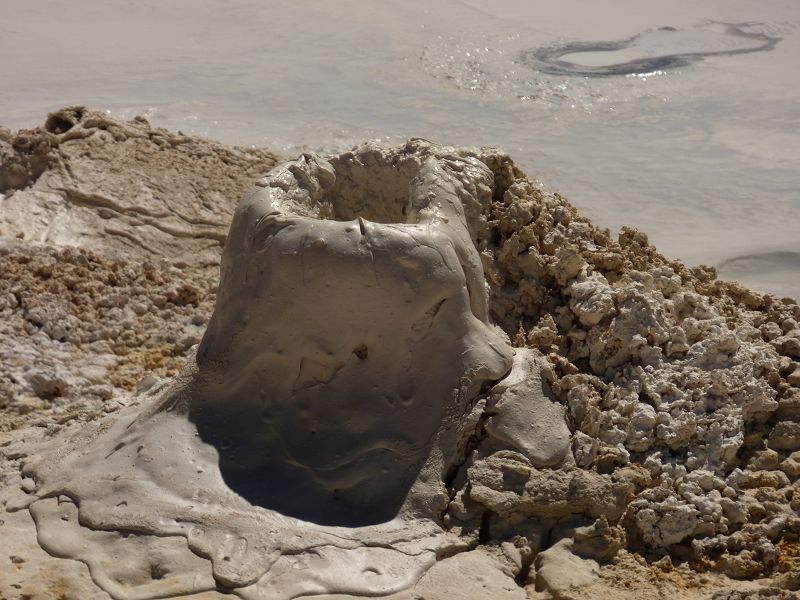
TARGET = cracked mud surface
(679,394)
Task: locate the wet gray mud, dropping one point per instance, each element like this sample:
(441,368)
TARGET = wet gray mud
(653,50)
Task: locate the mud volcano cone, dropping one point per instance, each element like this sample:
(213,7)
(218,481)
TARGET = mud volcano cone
(307,448)
(350,331)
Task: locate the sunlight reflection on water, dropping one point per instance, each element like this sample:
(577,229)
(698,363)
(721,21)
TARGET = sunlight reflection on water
(703,157)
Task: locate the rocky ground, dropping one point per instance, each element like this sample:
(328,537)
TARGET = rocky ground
(682,392)
(110,237)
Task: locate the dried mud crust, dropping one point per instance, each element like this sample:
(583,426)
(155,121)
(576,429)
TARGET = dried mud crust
(681,392)
(79,331)
(110,237)
(122,186)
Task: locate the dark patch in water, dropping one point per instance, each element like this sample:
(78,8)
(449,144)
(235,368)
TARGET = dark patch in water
(549,58)
(760,263)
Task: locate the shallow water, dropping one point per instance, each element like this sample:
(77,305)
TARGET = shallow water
(703,156)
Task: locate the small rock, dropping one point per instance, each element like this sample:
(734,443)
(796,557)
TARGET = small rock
(794,377)
(764,460)
(559,570)
(770,331)
(785,436)
(664,564)
(763,479)
(790,347)
(791,466)
(663,524)
(146,382)
(789,406)
(46,383)
(598,541)
(527,417)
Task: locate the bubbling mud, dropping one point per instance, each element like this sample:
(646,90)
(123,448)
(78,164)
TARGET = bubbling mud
(650,51)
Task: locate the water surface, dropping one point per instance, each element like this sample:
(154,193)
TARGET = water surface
(703,154)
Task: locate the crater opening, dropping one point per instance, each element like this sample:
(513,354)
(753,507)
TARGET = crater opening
(373,188)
